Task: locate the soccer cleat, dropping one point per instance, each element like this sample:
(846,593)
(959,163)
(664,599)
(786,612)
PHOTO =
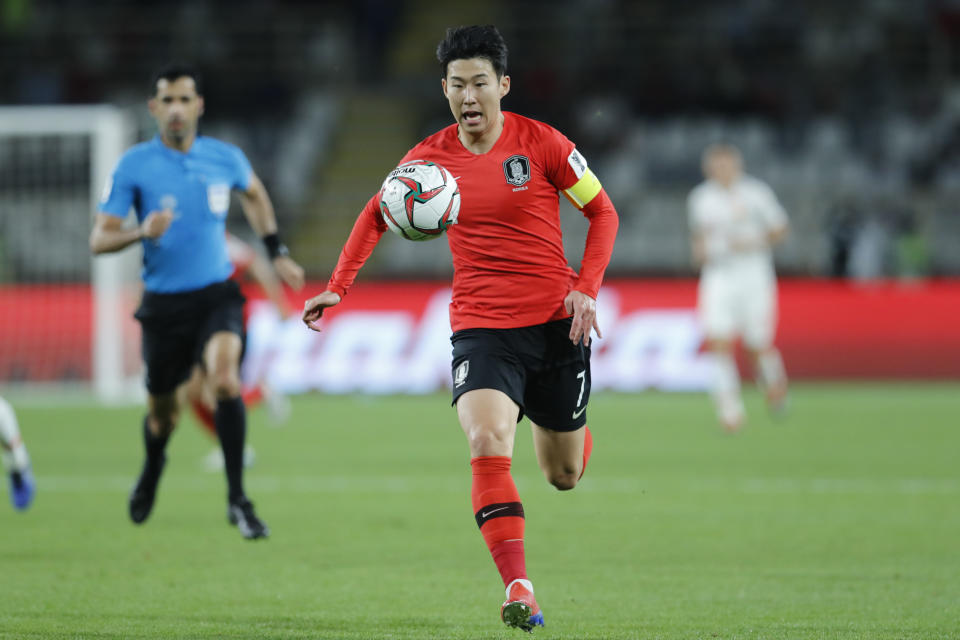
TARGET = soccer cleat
(732,424)
(22,488)
(240,513)
(776,396)
(145,491)
(520,610)
(278,405)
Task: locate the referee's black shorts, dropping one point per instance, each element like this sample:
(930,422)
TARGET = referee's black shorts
(538,367)
(177,326)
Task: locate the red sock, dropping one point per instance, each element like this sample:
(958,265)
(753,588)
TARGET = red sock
(252,396)
(587,448)
(499,514)
(205,416)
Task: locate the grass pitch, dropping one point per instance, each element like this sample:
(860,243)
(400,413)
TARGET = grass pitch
(840,521)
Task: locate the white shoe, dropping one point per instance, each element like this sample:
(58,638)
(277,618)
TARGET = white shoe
(732,417)
(213,461)
(278,405)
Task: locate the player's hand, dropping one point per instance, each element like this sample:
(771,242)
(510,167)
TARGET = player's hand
(584,310)
(313,308)
(156,224)
(289,271)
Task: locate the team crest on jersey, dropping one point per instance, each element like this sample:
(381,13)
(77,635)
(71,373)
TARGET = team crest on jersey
(218,198)
(516,169)
(460,375)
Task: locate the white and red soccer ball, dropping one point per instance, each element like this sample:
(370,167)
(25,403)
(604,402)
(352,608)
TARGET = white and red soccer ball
(419,200)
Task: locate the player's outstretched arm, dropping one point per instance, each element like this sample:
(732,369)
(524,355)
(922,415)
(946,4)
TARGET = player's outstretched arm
(363,238)
(259,211)
(313,308)
(110,235)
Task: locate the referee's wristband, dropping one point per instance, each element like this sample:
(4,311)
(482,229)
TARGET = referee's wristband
(275,248)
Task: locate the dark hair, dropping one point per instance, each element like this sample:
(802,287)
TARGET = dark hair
(463,43)
(172,71)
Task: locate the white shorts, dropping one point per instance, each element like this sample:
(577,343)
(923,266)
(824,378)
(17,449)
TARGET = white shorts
(744,306)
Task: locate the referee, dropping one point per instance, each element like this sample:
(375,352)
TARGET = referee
(180,183)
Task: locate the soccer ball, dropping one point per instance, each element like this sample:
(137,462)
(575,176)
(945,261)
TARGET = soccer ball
(419,200)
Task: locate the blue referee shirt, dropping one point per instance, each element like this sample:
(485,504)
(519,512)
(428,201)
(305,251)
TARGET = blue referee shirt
(196,185)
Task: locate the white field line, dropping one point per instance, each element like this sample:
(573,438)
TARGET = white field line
(457,484)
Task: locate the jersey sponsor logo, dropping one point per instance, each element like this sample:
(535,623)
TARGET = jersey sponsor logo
(218,199)
(460,375)
(578,163)
(516,169)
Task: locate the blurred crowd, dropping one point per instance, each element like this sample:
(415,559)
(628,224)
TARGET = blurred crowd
(850,110)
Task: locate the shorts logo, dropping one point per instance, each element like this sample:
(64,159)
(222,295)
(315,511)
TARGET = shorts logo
(460,375)
(516,169)
(218,199)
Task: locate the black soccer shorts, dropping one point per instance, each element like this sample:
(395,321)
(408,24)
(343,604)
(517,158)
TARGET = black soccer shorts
(177,326)
(537,367)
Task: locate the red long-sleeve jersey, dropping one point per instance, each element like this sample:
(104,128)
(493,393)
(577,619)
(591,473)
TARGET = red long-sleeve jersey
(507,246)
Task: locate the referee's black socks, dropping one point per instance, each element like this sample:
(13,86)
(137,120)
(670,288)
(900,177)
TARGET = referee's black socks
(230,419)
(154,444)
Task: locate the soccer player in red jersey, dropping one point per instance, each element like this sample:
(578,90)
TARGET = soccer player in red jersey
(521,317)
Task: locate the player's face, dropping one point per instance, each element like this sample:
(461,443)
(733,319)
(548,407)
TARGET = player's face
(474,91)
(177,108)
(724,167)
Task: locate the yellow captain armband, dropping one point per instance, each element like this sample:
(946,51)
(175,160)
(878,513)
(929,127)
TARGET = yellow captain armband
(584,190)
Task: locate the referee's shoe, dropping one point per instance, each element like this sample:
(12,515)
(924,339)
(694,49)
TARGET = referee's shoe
(240,513)
(145,491)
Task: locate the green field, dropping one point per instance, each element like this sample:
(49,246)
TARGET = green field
(840,521)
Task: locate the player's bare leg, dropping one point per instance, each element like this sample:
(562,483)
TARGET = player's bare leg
(560,455)
(221,359)
(16,461)
(489,420)
(725,387)
(771,377)
(163,411)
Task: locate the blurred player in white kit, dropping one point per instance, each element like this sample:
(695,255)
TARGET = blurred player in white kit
(735,220)
(15,460)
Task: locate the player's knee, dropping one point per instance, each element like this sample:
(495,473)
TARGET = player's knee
(491,437)
(485,438)
(225,384)
(564,479)
(162,423)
